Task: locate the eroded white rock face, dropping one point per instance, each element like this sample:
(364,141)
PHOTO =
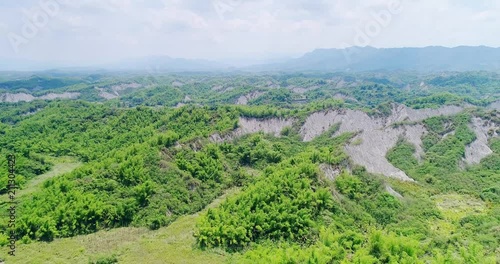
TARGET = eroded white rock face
(269,126)
(108,96)
(495,105)
(330,172)
(479,149)
(116,89)
(414,134)
(247,126)
(177,84)
(244,99)
(393,192)
(53,96)
(403,113)
(17,97)
(302,90)
(125,86)
(24,97)
(376,135)
(350,121)
(371,152)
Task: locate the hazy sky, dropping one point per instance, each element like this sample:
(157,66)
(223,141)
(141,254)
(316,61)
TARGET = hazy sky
(95,31)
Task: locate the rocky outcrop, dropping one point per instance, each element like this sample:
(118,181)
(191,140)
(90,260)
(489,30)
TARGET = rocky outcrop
(330,172)
(125,86)
(479,149)
(108,96)
(495,105)
(53,96)
(272,126)
(114,91)
(402,113)
(354,120)
(375,135)
(371,152)
(17,97)
(244,99)
(24,97)
(247,126)
(302,90)
(177,84)
(217,88)
(392,192)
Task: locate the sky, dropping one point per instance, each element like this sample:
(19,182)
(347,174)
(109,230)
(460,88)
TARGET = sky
(101,31)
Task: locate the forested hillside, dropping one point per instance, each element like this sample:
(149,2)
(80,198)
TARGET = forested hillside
(328,168)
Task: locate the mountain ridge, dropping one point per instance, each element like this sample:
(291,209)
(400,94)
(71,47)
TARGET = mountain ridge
(426,59)
(351,59)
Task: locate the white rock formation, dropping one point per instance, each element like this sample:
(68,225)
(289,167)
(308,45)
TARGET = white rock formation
(302,90)
(392,192)
(377,135)
(116,89)
(24,97)
(53,96)
(243,100)
(247,126)
(495,105)
(177,84)
(268,126)
(17,97)
(372,151)
(108,96)
(479,149)
(330,172)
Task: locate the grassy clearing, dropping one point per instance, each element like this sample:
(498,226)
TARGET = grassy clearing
(62,165)
(172,244)
(454,206)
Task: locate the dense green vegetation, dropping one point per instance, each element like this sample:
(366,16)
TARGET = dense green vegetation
(147,163)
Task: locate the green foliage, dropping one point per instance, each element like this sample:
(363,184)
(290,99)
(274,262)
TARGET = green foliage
(123,182)
(149,164)
(402,155)
(277,97)
(282,204)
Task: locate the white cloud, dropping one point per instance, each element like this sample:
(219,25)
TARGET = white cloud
(97,30)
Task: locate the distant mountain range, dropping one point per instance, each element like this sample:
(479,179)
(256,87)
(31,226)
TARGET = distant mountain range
(426,59)
(153,64)
(354,59)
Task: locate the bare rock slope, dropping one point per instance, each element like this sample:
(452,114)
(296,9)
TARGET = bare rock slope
(375,136)
(115,90)
(244,99)
(495,105)
(479,149)
(247,126)
(24,97)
